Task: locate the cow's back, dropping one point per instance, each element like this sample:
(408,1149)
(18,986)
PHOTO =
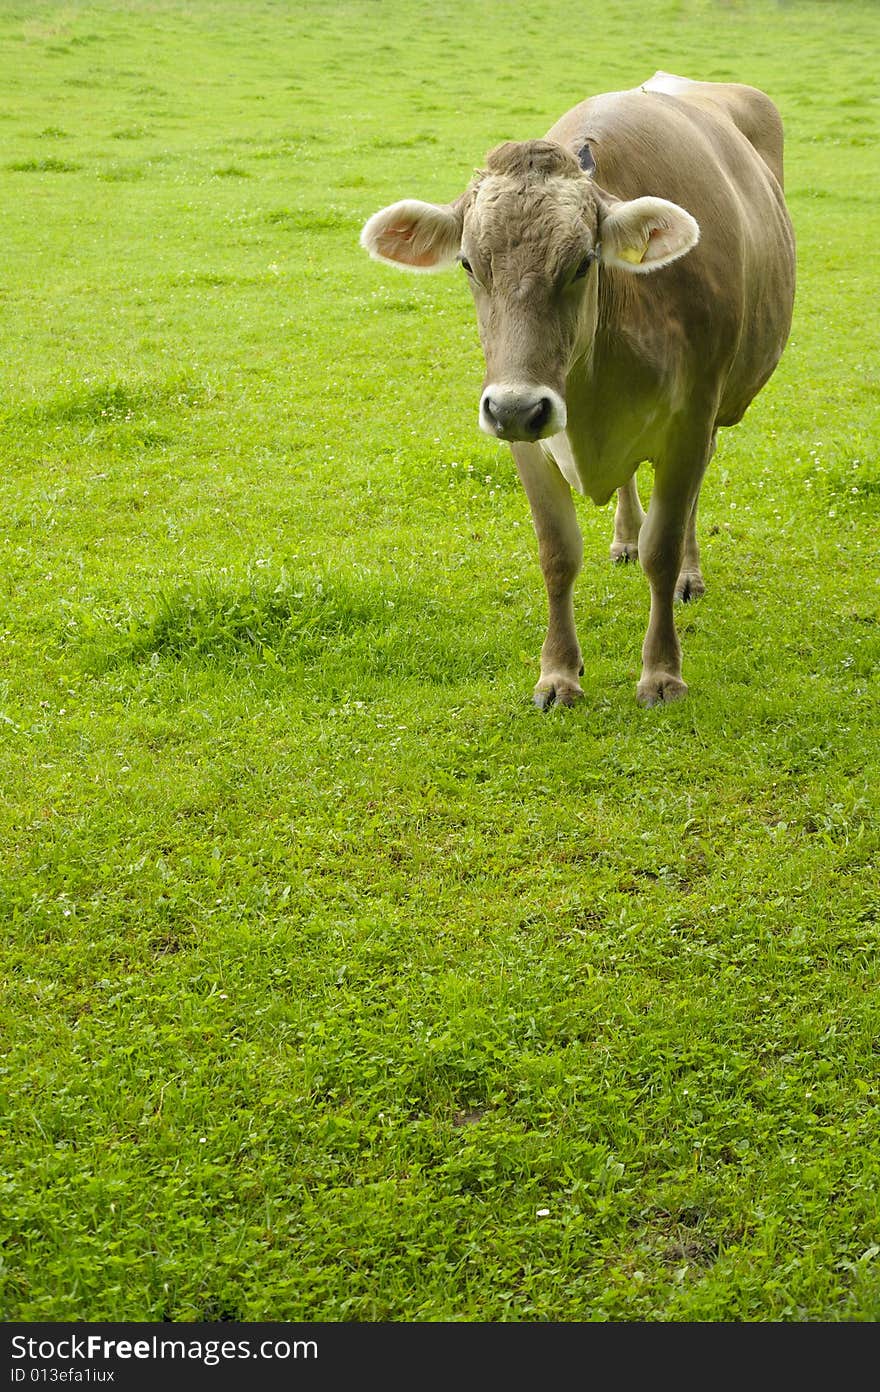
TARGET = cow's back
(714,149)
(750,110)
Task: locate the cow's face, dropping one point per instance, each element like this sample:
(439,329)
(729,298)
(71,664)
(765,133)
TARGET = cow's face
(528,248)
(530,233)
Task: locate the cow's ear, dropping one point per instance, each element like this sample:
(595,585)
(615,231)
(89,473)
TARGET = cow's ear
(645,234)
(415,236)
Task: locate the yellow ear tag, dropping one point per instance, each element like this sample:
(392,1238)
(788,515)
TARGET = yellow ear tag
(632,254)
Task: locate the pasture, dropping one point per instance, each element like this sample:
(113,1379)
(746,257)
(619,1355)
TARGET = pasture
(338,982)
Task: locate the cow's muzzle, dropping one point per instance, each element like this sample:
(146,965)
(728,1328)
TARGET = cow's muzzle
(521,413)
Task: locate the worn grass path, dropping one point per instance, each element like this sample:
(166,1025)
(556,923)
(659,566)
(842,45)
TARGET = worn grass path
(329,965)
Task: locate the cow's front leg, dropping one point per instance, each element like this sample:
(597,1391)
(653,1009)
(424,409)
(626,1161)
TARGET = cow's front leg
(560,548)
(661,551)
(628,518)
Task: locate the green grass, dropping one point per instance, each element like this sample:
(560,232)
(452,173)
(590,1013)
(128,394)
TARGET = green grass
(330,963)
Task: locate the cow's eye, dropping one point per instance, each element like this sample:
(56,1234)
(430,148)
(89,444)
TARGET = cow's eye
(466,265)
(585,265)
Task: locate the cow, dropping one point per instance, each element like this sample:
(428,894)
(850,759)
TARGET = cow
(633,274)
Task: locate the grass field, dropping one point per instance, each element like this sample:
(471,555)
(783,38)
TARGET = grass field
(339,983)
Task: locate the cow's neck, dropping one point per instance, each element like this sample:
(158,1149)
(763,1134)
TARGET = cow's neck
(612,398)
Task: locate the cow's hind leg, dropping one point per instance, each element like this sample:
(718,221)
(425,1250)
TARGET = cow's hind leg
(628,518)
(662,552)
(690,583)
(560,548)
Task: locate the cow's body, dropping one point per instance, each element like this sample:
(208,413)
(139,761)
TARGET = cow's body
(594,365)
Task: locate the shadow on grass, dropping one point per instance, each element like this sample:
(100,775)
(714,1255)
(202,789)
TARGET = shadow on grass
(370,626)
(98,403)
(49,165)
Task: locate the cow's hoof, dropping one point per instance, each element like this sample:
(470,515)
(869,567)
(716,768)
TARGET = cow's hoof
(622,552)
(557,692)
(660,690)
(690,585)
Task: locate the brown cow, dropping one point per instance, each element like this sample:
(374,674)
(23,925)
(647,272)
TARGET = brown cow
(594,362)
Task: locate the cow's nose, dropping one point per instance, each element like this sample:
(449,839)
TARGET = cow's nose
(516,413)
(515,418)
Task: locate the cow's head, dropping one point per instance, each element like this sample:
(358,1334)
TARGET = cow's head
(531,232)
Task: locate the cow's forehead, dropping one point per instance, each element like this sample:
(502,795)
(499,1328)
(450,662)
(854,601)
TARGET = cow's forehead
(549,213)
